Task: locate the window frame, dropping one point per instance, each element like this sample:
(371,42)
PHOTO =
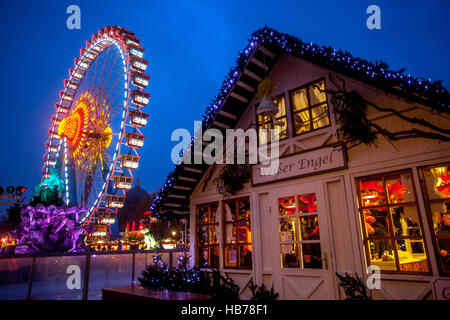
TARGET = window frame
(285,117)
(209,225)
(429,214)
(299,242)
(309,108)
(238,244)
(388,206)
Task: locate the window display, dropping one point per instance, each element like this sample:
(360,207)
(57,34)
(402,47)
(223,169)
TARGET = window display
(207,231)
(299,232)
(392,228)
(437,192)
(238,234)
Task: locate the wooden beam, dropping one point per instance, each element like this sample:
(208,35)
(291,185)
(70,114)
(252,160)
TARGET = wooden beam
(251,74)
(227,114)
(193,169)
(259,63)
(200,154)
(187,179)
(182,188)
(221,125)
(180,212)
(174,205)
(245,86)
(267,52)
(176,196)
(239,97)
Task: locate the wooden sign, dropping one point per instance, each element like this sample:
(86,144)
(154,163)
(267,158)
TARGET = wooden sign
(308,163)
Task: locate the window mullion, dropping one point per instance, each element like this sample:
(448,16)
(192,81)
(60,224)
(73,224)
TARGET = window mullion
(391,237)
(299,235)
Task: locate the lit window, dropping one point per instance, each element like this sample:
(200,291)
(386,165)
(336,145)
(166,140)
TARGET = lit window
(267,123)
(91,55)
(309,108)
(393,235)
(84,65)
(299,232)
(437,193)
(113,201)
(238,234)
(207,235)
(129,161)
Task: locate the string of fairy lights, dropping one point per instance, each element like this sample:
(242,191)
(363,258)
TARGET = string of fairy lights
(343,62)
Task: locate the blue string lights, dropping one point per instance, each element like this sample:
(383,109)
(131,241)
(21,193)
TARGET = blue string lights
(377,74)
(182,278)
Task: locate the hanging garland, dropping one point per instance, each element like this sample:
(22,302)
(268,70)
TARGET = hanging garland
(377,74)
(231,179)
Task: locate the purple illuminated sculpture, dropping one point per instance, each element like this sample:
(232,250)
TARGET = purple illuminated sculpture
(49,229)
(46,224)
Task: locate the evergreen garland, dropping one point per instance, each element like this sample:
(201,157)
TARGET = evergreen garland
(261,293)
(354,287)
(223,287)
(352,118)
(231,179)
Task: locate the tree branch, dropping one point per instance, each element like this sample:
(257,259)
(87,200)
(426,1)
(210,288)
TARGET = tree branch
(406,134)
(409,119)
(356,127)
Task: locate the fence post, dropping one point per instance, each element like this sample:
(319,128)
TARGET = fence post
(30,283)
(133,264)
(86,277)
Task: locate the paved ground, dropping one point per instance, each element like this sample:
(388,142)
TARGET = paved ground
(59,291)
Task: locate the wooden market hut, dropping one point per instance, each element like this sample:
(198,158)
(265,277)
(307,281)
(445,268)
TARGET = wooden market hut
(362,181)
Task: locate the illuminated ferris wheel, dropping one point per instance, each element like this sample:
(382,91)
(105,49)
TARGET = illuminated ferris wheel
(96,131)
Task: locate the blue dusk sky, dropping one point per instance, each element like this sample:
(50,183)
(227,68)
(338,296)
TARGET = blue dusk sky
(191,45)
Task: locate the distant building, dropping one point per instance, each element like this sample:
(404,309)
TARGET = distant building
(137,203)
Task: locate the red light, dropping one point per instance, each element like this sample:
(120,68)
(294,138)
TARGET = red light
(20,189)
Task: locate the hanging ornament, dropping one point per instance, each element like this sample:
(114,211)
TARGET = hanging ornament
(267,107)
